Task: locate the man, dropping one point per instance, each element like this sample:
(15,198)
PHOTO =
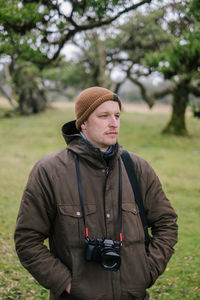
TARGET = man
(81,199)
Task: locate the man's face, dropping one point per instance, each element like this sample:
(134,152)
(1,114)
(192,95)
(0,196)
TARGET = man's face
(102,127)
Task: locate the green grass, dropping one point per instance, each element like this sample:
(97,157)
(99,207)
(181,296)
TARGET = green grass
(176,160)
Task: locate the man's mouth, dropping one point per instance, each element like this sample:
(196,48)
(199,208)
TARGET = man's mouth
(111,133)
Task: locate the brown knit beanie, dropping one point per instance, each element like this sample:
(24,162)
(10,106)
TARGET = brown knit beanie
(89,100)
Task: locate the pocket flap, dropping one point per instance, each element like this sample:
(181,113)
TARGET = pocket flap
(75,210)
(130,207)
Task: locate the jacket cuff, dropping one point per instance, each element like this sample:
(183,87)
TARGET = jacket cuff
(153,273)
(62,287)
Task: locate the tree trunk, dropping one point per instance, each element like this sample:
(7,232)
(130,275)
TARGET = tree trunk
(177,123)
(102,62)
(32,100)
(31,97)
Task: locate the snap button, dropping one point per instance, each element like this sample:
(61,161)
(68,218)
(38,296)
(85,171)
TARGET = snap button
(78,213)
(108,216)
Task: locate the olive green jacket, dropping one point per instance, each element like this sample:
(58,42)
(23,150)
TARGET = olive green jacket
(50,208)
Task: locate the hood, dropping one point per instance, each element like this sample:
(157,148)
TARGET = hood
(73,139)
(70,132)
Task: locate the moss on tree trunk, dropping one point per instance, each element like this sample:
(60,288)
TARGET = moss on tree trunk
(31,97)
(177,124)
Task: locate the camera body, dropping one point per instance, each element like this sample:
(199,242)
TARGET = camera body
(105,251)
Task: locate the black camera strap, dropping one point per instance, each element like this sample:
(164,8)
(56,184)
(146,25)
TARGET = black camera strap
(81,194)
(82,201)
(130,169)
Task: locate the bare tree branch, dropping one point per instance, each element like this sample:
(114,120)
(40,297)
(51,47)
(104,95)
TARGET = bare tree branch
(195,90)
(11,100)
(160,94)
(149,100)
(91,25)
(118,85)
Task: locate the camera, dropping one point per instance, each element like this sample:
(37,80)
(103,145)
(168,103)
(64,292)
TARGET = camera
(105,251)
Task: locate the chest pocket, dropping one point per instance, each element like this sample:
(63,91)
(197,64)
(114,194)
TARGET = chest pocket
(132,226)
(71,221)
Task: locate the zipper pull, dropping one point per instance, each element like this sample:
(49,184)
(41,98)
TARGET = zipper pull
(107,171)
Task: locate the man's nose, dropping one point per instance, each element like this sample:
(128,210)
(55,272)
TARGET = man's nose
(113,122)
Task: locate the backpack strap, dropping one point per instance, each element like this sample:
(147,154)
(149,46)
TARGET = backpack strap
(130,169)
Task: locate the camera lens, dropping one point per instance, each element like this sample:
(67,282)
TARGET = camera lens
(110,261)
(105,251)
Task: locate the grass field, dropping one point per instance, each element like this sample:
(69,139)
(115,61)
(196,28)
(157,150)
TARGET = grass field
(176,160)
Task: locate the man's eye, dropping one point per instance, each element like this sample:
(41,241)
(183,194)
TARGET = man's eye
(103,116)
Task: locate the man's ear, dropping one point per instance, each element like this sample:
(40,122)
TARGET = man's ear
(83,126)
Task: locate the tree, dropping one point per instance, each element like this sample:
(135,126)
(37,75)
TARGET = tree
(23,87)
(28,87)
(180,61)
(36,31)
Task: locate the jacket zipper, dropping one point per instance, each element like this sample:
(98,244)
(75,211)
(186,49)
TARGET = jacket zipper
(107,171)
